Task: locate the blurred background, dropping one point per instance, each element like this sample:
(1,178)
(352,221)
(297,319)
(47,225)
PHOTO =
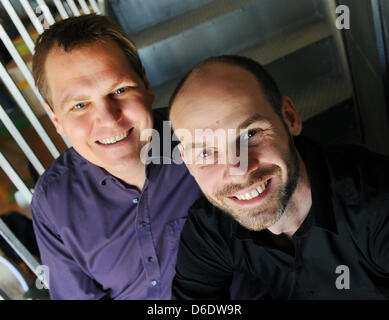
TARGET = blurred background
(337,79)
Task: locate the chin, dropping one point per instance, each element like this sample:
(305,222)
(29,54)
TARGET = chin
(256,218)
(125,162)
(258,221)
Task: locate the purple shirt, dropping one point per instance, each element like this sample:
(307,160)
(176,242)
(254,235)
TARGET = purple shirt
(101,239)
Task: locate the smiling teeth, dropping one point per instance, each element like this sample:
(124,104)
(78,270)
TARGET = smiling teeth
(253,194)
(114,139)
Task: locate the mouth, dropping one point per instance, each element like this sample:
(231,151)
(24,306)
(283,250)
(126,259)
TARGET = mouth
(253,195)
(115,139)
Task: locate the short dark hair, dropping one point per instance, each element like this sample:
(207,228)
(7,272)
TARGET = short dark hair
(76,32)
(265,80)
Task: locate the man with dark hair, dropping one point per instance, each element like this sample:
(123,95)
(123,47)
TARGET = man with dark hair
(107,224)
(307,221)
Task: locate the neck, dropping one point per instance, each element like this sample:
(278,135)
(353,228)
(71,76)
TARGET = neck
(298,206)
(134,176)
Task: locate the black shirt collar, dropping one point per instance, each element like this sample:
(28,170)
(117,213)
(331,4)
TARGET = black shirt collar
(321,213)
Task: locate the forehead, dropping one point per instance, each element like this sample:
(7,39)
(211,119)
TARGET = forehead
(96,54)
(219,96)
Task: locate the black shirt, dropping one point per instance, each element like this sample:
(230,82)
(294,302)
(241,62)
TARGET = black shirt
(341,250)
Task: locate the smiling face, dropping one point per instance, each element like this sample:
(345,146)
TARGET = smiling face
(99,103)
(225,97)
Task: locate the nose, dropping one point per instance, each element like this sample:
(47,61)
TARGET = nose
(108,113)
(240,165)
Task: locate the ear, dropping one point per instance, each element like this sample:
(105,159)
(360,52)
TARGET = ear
(182,153)
(291,116)
(54,119)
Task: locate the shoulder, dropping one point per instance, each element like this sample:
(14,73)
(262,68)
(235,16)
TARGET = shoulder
(345,161)
(54,181)
(364,186)
(209,221)
(352,169)
(360,187)
(357,180)
(66,164)
(357,161)
(358,172)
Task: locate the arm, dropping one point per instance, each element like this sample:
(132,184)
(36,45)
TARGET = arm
(66,279)
(204,268)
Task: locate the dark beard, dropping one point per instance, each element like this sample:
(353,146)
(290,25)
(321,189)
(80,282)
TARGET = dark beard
(284,195)
(293,174)
(293,179)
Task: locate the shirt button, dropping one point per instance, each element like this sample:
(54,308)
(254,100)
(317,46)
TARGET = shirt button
(135,200)
(153,283)
(142,224)
(150,259)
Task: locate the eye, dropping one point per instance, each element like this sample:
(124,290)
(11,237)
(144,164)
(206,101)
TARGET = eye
(204,154)
(249,138)
(206,158)
(249,134)
(79,106)
(119,91)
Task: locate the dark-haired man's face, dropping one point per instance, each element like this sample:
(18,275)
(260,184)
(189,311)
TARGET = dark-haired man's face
(100,104)
(227,98)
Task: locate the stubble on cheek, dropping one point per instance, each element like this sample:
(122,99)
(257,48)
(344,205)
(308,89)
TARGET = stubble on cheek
(255,218)
(264,214)
(272,207)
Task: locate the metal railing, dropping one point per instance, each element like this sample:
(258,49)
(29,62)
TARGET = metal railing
(40,17)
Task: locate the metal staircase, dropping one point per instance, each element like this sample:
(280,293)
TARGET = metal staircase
(293,39)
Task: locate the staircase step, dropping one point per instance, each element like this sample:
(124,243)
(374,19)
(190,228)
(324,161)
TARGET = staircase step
(137,15)
(288,42)
(247,26)
(321,95)
(185,22)
(265,53)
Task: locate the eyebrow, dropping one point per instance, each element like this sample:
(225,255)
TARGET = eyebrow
(254,118)
(243,125)
(194,145)
(70,97)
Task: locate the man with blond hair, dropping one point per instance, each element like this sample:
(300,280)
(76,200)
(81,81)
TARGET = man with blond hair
(106,222)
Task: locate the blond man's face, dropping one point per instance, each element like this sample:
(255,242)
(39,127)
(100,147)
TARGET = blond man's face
(99,103)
